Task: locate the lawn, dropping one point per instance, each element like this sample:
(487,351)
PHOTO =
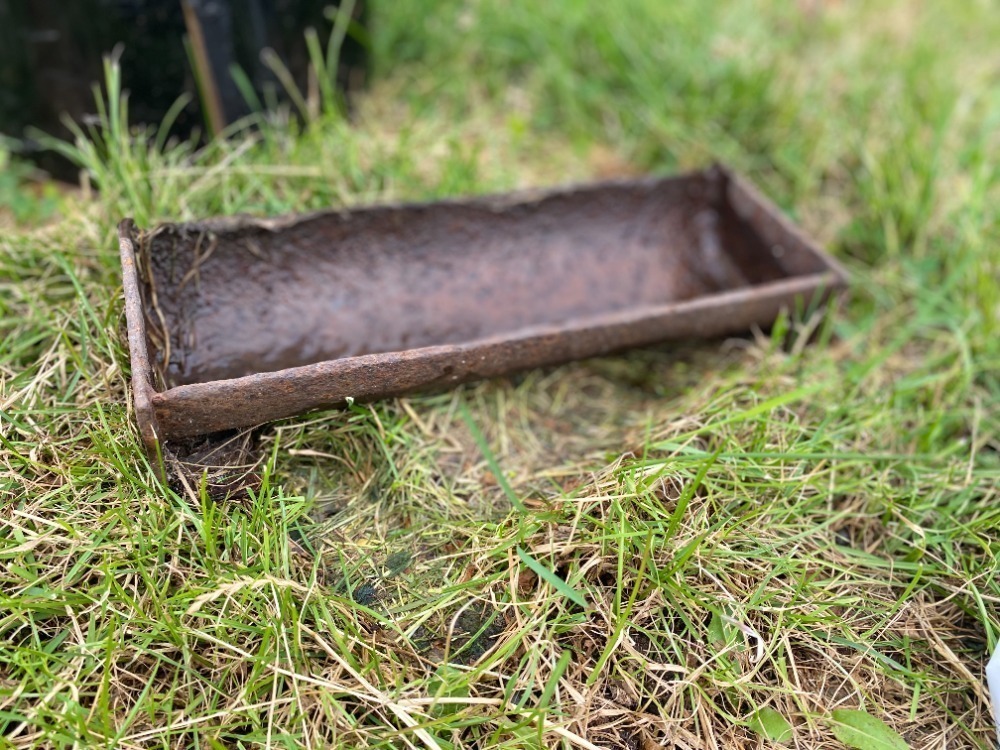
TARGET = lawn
(787,539)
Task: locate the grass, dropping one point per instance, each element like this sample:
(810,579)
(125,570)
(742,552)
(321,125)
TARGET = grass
(668,548)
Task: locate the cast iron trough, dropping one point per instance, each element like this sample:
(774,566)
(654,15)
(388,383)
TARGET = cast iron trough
(236,322)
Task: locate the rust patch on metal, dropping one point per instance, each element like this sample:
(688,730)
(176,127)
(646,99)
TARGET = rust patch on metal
(236,322)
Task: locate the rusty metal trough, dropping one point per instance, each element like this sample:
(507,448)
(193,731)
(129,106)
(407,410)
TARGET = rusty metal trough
(236,322)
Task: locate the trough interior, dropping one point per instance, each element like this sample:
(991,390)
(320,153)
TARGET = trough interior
(249,299)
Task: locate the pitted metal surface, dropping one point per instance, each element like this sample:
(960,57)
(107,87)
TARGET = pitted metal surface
(244,321)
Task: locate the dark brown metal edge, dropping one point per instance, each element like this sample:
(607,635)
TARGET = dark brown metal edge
(199,408)
(765,211)
(142,388)
(494,201)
